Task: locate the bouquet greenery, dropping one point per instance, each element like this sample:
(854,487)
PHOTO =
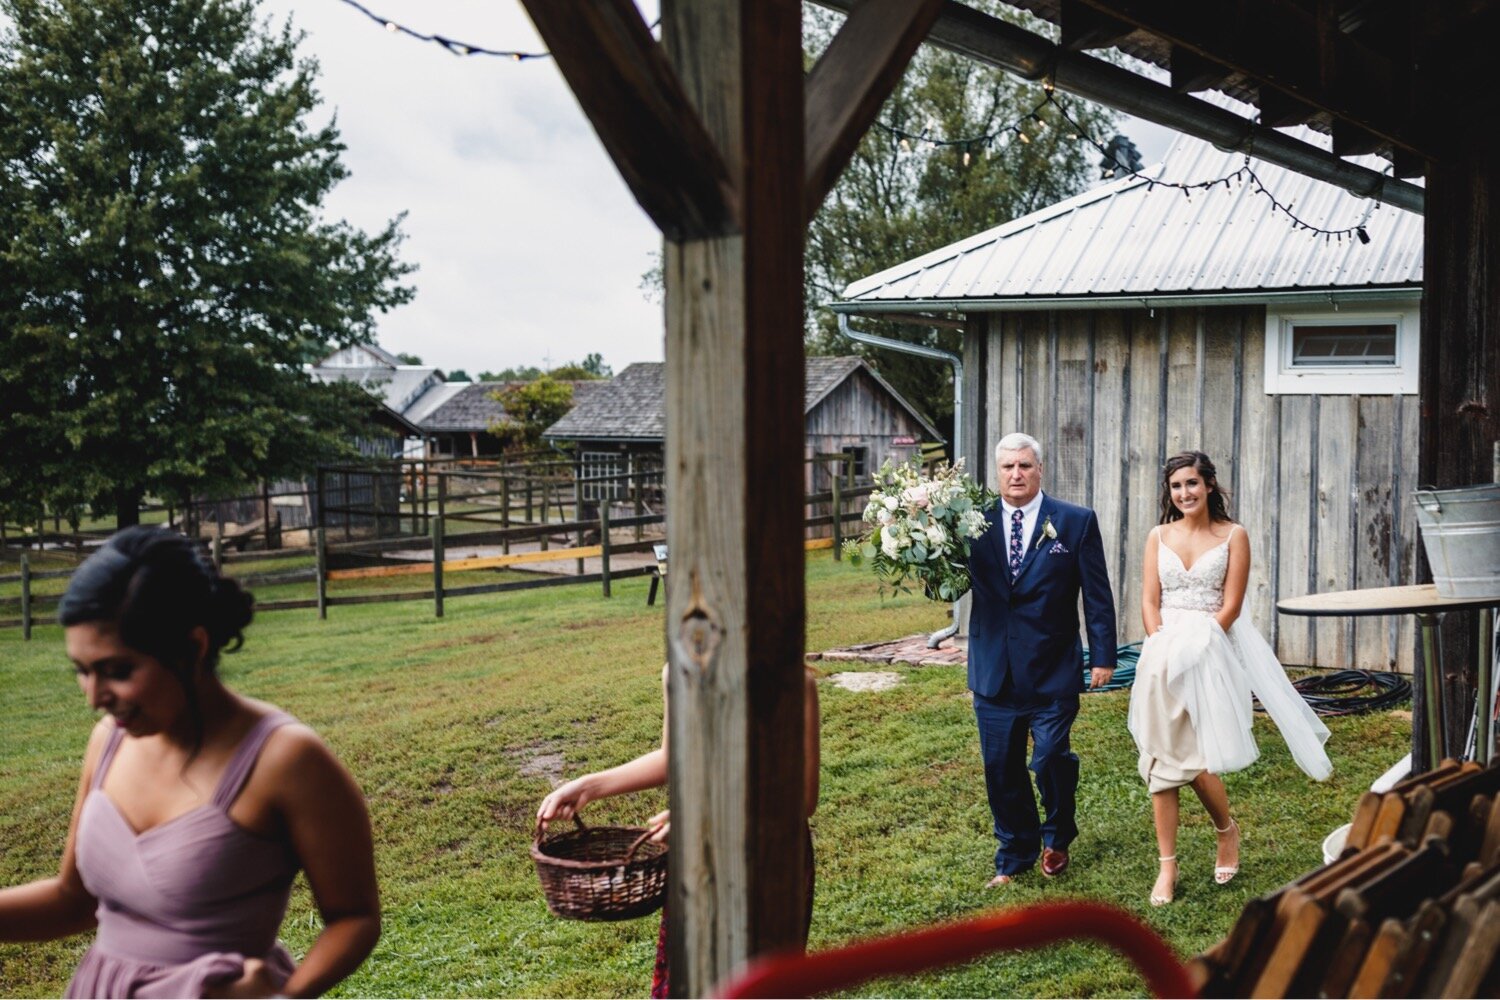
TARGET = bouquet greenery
(920,528)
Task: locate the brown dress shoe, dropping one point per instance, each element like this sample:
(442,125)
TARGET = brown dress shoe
(1054,862)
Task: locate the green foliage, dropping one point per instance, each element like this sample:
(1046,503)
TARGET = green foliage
(459,375)
(530,409)
(891,205)
(455,727)
(165,269)
(591,367)
(408,359)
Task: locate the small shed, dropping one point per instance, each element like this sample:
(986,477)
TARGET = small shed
(1129,323)
(848,409)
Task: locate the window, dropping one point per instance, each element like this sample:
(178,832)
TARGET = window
(1341,352)
(592,464)
(858,468)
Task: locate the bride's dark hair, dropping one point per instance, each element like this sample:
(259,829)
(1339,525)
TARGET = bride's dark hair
(1218,509)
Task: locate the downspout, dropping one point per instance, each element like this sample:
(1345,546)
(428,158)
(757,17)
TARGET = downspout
(935,354)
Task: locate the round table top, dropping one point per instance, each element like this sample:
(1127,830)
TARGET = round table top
(1419,598)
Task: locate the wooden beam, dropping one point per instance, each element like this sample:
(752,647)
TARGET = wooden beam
(1460,364)
(1191,72)
(1085,27)
(734,438)
(852,79)
(641,114)
(1277,110)
(1407,164)
(1278,43)
(1351,140)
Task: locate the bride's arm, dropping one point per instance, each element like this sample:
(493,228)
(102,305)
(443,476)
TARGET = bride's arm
(1235,578)
(1150,586)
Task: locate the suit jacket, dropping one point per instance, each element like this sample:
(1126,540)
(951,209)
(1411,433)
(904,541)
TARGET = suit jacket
(1028,630)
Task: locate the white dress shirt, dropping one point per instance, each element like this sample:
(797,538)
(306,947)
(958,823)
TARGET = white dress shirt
(1028,522)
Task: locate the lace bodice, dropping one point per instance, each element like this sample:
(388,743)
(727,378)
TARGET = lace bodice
(1200,588)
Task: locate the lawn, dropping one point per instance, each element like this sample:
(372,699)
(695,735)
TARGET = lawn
(452,726)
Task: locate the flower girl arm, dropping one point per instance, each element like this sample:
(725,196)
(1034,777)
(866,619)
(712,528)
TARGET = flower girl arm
(1235,578)
(1151,586)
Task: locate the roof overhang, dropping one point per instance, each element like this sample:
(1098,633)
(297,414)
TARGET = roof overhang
(1308,297)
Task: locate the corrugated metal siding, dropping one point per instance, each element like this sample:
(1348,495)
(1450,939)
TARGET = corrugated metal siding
(1130,238)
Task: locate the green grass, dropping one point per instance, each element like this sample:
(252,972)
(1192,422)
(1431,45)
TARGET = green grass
(437,720)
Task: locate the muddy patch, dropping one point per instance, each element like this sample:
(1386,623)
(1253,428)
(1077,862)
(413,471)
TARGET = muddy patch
(539,759)
(873,680)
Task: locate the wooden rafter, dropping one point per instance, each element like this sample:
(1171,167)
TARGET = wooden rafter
(1351,140)
(1277,110)
(630,93)
(1085,27)
(852,79)
(1279,44)
(1191,72)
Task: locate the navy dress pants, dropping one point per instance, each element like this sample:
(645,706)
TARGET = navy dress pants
(1005,721)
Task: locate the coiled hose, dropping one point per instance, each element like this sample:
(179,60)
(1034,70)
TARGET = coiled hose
(1126,658)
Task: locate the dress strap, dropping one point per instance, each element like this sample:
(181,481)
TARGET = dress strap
(107,756)
(245,756)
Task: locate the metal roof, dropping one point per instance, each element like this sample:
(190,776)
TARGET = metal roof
(1128,239)
(632,405)
(475,406)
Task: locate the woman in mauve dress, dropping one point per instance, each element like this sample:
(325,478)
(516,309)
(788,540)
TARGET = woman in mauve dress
(197,806)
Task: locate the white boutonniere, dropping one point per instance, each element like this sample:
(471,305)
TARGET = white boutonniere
(1049,533)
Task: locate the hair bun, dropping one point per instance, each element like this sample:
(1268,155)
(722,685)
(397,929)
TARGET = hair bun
(231,608)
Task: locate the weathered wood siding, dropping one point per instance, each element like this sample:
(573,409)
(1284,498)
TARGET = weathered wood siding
(1321,483)
(859,413)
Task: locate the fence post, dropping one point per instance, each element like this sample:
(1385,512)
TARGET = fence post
(218,545)
(505,511)
(320,549)
(348,506)
(321,521)
(528,499)
(578,505)
(25,596)
(437,549)
(604,543)
(265,513)
(838,510)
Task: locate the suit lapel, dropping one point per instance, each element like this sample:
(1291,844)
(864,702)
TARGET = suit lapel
(1030,555)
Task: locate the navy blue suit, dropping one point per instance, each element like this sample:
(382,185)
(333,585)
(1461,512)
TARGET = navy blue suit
(1026,670)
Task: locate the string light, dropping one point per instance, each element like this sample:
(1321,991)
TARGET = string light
(1076,132)
(455,47)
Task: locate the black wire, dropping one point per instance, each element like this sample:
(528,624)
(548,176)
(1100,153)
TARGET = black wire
(1341,692)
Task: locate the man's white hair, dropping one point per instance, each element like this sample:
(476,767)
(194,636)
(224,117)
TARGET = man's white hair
(1018,442)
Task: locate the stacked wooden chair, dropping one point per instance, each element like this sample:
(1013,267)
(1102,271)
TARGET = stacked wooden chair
(1411,908)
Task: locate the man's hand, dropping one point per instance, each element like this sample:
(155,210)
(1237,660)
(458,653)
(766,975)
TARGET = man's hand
(1099,676)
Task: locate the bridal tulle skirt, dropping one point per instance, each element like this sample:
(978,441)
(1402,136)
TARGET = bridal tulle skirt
(1191,704)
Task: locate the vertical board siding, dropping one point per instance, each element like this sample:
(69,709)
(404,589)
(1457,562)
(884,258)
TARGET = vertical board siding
(1321,483)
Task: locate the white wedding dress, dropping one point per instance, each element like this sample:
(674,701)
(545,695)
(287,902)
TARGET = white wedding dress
(1190,706)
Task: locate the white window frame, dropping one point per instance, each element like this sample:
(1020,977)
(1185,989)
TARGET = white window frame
(600,463)
(1399,378)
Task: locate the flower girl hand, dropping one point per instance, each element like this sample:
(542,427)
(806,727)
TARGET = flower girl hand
(661,823)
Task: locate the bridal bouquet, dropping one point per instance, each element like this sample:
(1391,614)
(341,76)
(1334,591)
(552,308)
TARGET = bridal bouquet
(920,528)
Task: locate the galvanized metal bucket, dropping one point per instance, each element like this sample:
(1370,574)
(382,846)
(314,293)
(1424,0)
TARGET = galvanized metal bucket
(1461,532)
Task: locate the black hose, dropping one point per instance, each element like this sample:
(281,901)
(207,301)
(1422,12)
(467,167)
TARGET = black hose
(1344,692)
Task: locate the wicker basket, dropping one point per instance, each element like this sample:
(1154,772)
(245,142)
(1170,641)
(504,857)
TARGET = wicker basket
(601,872)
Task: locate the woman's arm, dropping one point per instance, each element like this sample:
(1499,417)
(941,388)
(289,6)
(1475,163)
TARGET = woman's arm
(1151,586)
(58,906)
(329,828)
(1235,578)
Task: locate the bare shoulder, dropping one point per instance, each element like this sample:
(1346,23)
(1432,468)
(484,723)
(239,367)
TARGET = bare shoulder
(295,749)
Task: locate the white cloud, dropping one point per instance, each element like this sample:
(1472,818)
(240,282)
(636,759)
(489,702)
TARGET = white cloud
(530,246)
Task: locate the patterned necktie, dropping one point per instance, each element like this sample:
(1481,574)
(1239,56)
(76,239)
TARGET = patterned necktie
(1015,544)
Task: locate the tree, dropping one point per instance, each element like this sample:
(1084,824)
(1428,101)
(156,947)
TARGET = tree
(521,373)
(530,409)
(459,375)
(900,199)
(165,269)
(590,368)
(408,359)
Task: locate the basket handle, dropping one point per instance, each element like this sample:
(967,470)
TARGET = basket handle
(636,844)
(540,831)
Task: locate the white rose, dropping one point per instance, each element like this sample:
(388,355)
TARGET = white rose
(891,503)
(936,536)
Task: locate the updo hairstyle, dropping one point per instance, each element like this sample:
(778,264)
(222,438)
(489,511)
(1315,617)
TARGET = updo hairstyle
(156,586)
(1218,508)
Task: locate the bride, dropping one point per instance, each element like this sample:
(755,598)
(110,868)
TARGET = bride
(1201,665)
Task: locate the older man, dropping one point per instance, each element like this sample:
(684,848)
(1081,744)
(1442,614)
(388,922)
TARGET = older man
(1025,657)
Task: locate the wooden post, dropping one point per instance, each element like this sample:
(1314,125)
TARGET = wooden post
(735,596)
(838,509)
(438,526)
(1460,370)
(25,595)
(218,542)
(636,483)
(320,554)
(265,512)
(321,520)
(604,545)
(505,511)
(348,506)
(578,505)
(528,498)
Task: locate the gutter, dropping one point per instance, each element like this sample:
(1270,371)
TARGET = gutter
(935,354)
(1034,303)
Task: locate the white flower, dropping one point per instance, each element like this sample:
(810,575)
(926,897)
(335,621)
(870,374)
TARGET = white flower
(936,536)
(891,503)
(917,496)
(890,544)
(885,516)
